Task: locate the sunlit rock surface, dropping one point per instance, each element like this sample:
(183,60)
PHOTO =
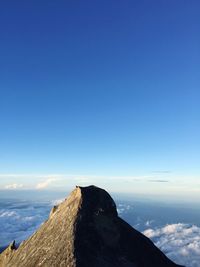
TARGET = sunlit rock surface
(85,231)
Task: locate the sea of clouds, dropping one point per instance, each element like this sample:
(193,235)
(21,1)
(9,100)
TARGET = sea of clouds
(19,219)
(179,241)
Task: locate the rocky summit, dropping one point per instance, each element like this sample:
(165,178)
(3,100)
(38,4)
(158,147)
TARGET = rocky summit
(85,231)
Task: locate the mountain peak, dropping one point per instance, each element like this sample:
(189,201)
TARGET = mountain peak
(85,231)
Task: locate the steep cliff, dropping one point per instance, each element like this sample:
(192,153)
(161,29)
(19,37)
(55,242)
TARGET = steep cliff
(85,231)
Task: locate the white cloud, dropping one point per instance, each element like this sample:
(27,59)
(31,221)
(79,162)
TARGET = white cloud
(7,214)
(45,183)
(123,208)
(180,242)
(18,220)
(13,186)
(148,223)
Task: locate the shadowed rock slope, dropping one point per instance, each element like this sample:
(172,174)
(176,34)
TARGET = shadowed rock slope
(85,231)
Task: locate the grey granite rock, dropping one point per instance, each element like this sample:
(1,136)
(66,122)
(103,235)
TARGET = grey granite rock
(85,231)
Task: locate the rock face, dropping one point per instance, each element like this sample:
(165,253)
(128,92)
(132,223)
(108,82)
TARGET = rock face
(85,231)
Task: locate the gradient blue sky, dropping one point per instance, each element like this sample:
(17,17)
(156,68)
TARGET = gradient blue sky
(106,91)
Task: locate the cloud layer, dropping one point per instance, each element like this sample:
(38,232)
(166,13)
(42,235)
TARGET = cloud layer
(14,186)
(18,220)
(45,183)
(180,242)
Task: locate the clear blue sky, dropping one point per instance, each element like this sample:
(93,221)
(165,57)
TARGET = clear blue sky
(100,88)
